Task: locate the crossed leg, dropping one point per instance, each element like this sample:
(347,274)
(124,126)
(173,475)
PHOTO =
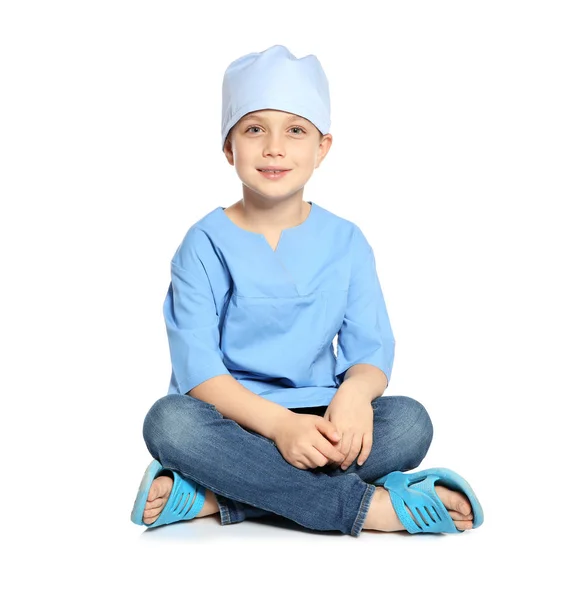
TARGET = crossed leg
(408,445)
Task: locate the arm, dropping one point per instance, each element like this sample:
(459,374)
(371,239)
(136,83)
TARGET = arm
(192,325)
(236,402)
(351,411)
(365,355)
(365,349)
(364,380)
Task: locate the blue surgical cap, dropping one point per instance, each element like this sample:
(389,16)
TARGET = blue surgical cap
(275,79)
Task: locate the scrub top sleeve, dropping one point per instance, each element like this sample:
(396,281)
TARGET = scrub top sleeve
(365,335)
(192,323)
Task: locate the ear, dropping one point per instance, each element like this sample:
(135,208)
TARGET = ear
(323,149)
(228,151)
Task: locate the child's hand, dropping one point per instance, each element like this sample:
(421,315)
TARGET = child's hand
(303,441)
(353,417)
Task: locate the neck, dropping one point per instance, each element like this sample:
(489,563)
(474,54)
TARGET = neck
(275,215)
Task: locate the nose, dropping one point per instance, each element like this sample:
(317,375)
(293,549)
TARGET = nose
(274,145)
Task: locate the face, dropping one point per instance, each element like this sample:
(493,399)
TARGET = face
(275,139)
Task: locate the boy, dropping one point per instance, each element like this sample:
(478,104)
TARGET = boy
(261,417)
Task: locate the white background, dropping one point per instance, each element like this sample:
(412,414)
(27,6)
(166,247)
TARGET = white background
(450,152)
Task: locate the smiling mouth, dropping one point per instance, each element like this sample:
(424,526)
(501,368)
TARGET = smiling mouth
(273,174)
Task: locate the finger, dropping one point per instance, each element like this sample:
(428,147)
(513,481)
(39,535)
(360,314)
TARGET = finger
(337,446)
(317,458)
(340,447)
(335,464)
(328,429)
(329,451)
(367,445)
(346,445)
(340,452)
(299,464)
(355,449)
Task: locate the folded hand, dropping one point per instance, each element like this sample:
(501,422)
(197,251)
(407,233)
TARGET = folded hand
(352,415)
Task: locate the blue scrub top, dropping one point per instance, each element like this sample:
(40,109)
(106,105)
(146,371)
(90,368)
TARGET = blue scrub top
(268,317)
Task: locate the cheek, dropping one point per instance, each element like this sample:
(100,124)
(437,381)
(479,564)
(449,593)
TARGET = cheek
(245,156)
(310,157)
(242,162)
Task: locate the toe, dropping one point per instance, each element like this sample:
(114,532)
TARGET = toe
(457,516)
(157,503)
(464,507)
(161,487)
(152,512)
(157,497)
(454,501)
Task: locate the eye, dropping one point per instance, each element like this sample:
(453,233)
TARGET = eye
(298,129)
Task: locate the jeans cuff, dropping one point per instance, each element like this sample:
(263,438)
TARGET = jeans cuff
(363,510)
(229,511)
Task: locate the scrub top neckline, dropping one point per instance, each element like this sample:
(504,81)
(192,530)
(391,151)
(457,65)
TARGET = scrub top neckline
(305,224)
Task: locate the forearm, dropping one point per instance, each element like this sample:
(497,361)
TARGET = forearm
(367,380)
(236,402)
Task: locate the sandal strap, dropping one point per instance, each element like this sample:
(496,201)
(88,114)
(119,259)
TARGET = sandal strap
(416,492)
(185,501)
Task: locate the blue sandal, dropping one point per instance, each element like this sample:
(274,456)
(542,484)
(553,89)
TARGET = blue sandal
(416,491)
(185,501)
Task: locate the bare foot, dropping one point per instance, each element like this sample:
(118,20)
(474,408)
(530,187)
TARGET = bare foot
(382,516)
(159,494)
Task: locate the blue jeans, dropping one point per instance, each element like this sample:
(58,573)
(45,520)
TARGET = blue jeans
(250,478)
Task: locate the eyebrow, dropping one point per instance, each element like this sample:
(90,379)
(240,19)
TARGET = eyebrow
(256,116)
